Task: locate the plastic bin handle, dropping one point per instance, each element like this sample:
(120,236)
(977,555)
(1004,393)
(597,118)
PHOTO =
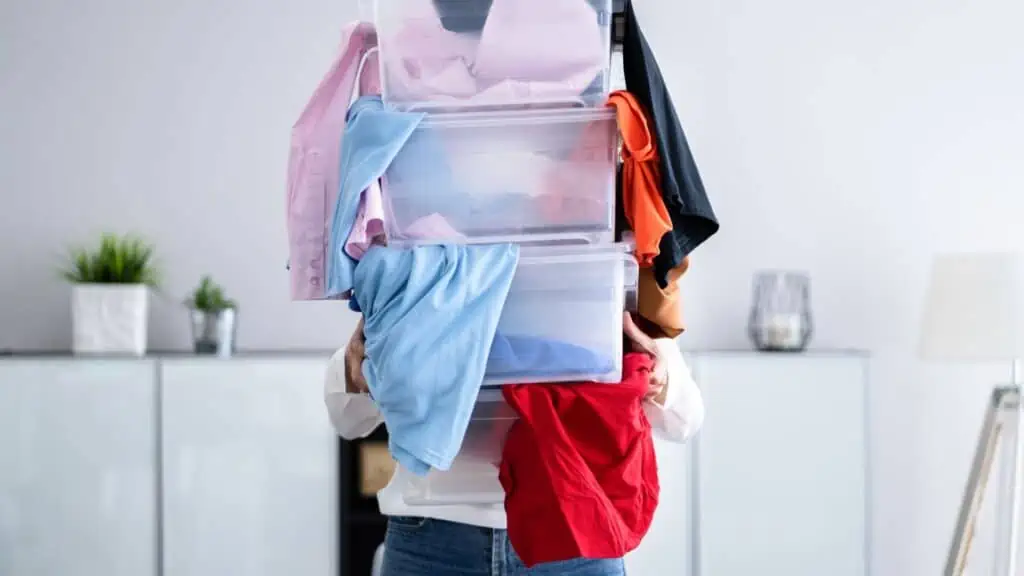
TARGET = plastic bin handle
(469,105)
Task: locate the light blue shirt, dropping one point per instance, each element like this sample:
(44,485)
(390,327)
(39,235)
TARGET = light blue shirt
(430,315)
(373,137)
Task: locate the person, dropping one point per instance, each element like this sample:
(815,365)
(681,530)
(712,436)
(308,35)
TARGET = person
(468,540)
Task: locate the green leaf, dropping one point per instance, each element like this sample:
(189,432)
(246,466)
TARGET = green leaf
(115,260)
(209,297)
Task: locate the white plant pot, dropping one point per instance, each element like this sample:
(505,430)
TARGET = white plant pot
(110,318)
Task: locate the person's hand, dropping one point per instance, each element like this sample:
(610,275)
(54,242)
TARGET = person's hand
(355,353)
(657,387)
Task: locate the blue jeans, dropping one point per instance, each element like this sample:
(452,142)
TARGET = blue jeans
(431,547)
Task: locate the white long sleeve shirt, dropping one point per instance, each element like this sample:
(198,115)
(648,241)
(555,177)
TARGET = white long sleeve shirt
(356,416)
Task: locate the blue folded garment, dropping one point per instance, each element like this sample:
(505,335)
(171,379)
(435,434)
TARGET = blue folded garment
(430,314)
(515,357)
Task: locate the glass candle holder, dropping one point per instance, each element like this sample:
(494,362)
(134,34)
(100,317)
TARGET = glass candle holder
(780,317)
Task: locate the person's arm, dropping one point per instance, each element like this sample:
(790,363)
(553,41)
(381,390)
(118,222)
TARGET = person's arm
(673,404)
(676,413)
(353,413)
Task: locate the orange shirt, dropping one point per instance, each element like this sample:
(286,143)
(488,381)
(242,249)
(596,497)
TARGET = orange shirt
(641,194)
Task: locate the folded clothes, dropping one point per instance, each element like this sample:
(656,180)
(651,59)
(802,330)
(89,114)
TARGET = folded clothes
(445,51)
(432,196)
(464,213)
(513,357)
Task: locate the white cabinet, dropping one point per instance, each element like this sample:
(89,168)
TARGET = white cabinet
(667,548)
(775,482)
(250,473)
(78,468)
(231,467)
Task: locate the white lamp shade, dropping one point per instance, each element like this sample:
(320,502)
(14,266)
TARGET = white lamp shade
(974,311)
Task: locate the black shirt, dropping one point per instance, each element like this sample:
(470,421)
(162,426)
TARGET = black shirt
(693,219)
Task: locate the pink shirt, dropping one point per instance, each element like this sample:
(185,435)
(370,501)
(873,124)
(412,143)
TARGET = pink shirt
(313,176)
(368,228)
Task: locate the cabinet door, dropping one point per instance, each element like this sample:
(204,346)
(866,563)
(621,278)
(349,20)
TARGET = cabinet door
(780,466)
(77,468)
(250,469)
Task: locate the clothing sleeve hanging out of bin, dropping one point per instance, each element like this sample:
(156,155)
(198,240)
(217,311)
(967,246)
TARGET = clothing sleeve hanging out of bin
(693,219)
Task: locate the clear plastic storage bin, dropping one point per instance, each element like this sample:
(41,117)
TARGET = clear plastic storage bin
(473,477)
(463,53)
(512,176)
(562,320)
(565,306)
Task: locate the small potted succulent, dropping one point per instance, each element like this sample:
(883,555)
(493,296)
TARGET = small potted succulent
(110,295)
(213,319)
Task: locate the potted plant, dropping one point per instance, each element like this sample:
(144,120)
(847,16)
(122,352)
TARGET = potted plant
(213,319)
(110,295)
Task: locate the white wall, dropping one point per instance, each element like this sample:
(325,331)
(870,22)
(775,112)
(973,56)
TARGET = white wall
(167,118)
(854,139)
(851,139)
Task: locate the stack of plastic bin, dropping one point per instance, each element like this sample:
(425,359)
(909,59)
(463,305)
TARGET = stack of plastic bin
(521,159)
